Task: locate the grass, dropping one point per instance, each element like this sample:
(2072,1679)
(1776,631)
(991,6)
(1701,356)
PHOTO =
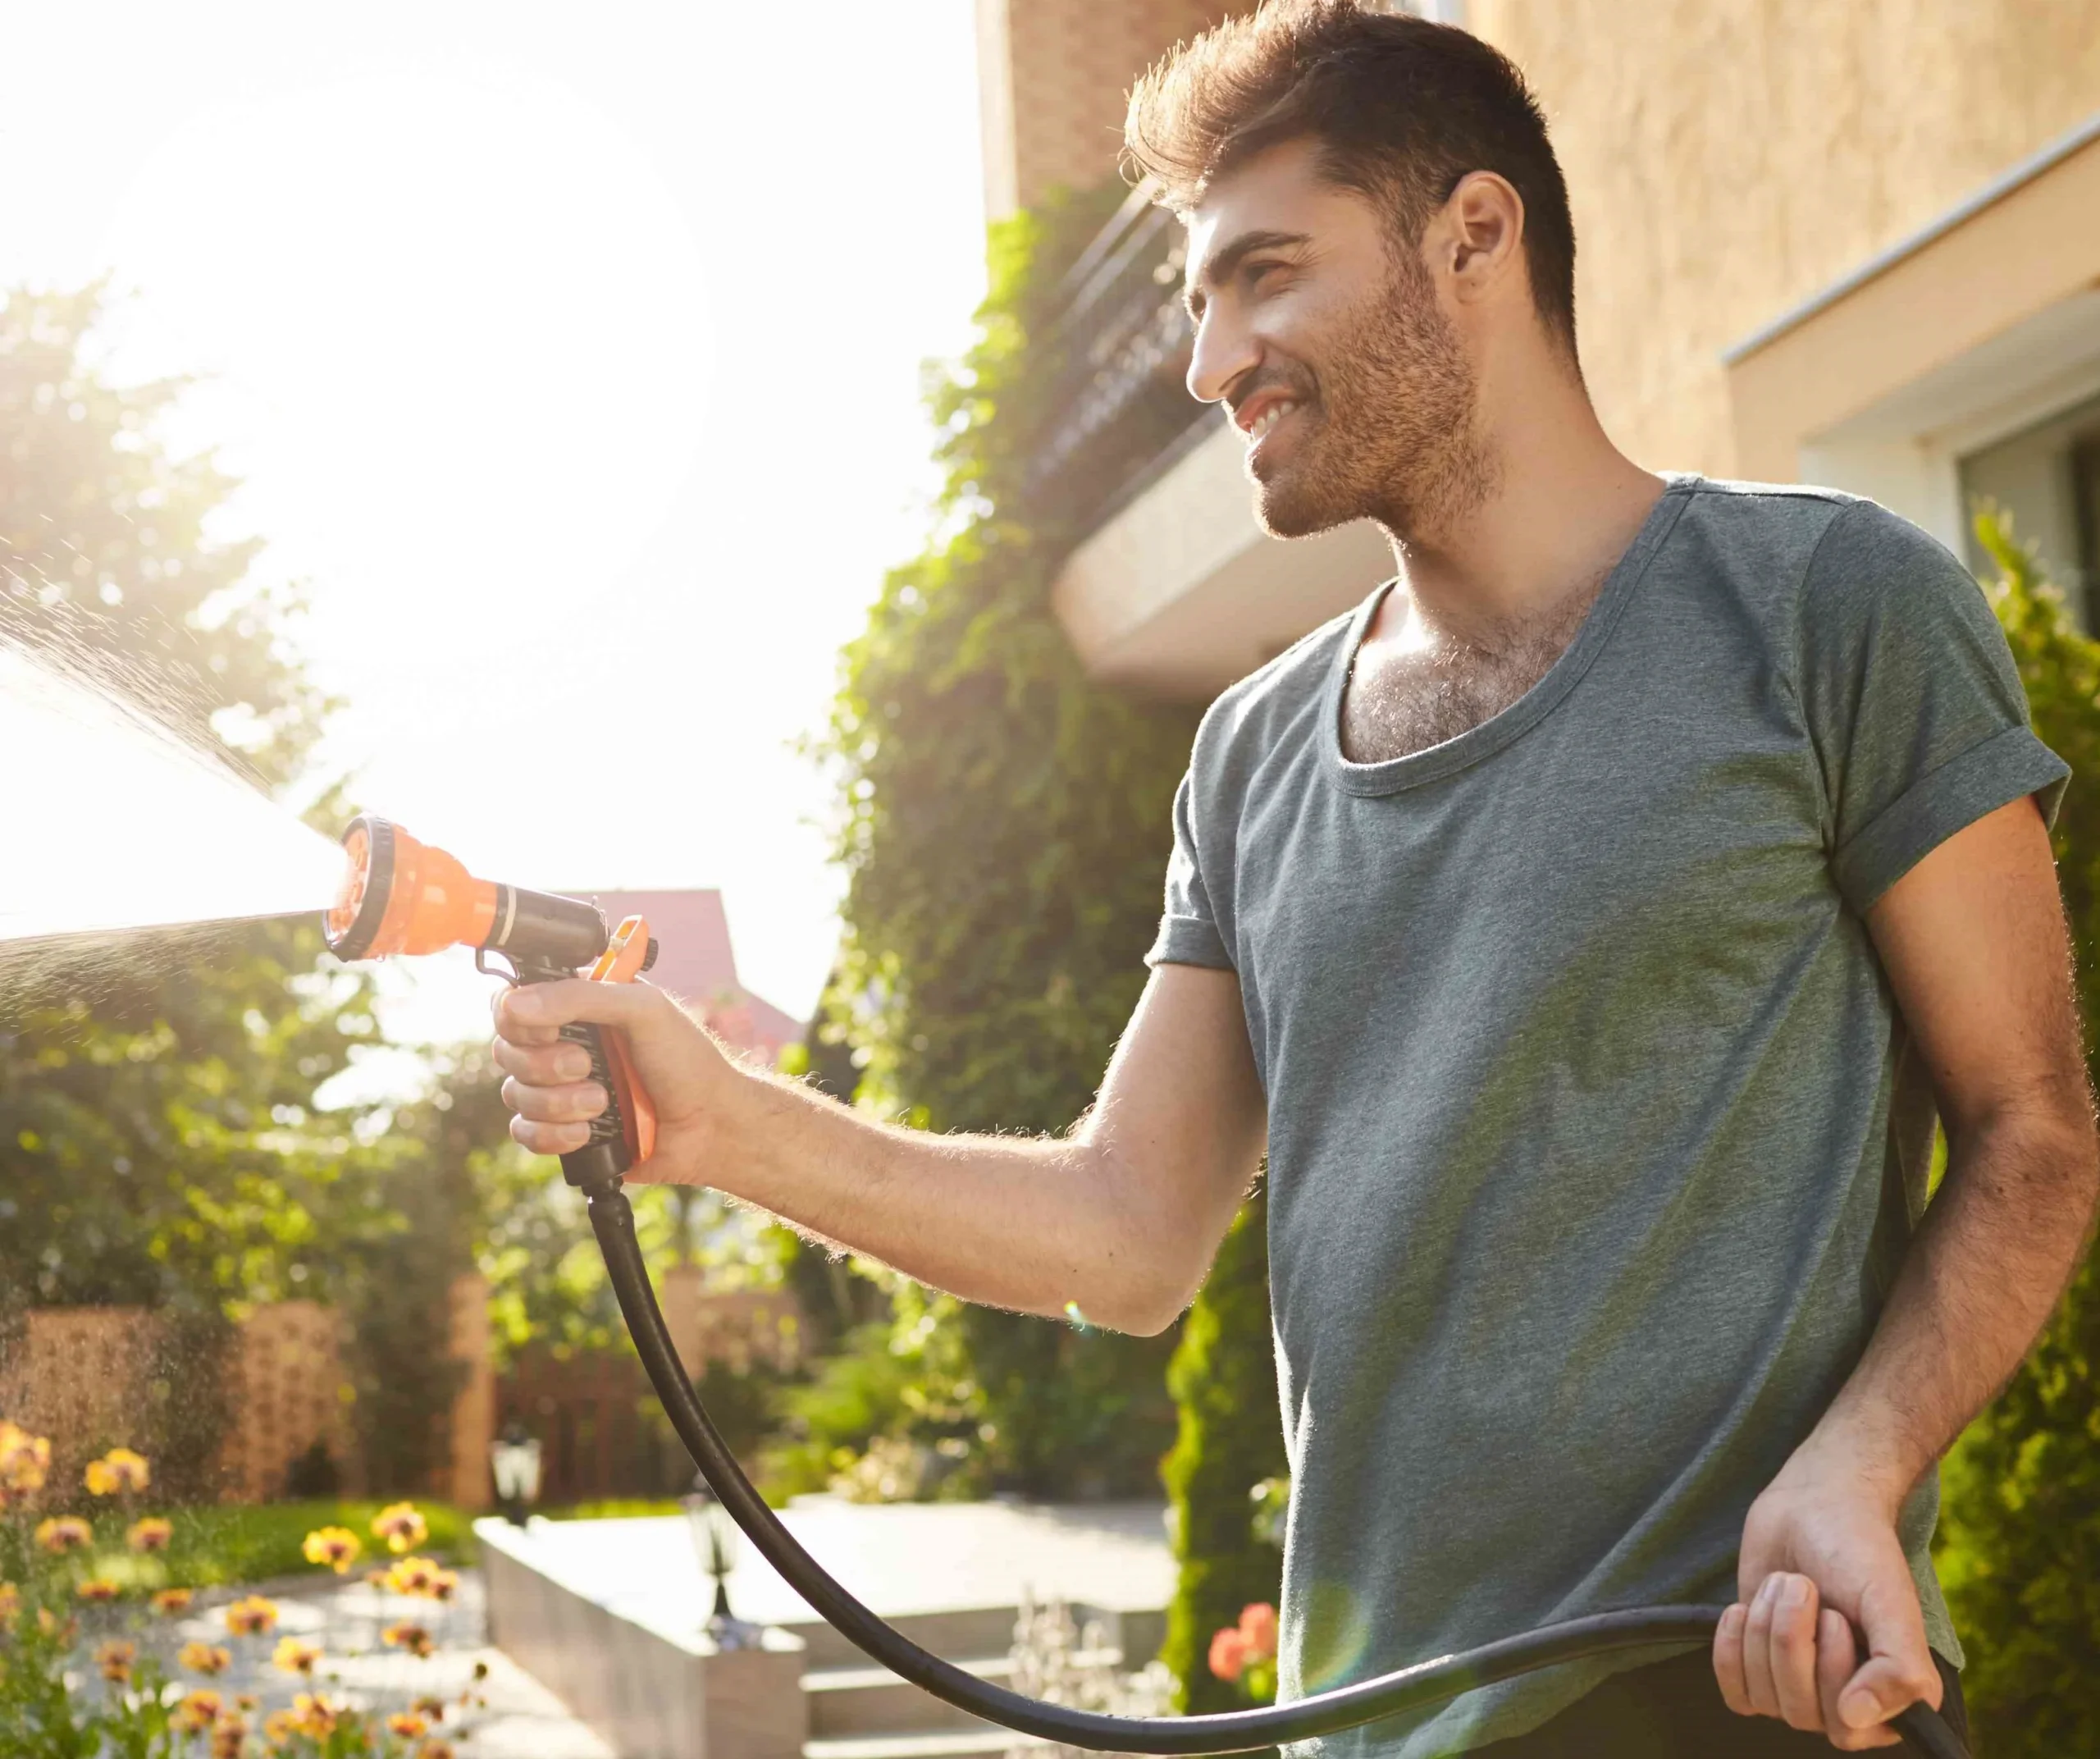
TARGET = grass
(216,1546)
(614,1508)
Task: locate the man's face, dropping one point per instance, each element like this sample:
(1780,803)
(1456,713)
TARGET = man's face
(1324,339)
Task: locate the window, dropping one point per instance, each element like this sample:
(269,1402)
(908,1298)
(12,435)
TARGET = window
(2047,477)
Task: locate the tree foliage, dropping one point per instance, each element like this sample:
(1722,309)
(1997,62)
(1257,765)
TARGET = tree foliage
(160,1143)
(104,552)
(157,1138)
(2021,1541)
(1004,825)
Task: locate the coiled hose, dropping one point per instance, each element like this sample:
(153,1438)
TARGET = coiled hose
(612,1219)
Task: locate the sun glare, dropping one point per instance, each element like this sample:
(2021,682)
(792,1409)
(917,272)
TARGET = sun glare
(525,338)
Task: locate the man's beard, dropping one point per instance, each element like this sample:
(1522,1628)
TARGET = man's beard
(1384,430)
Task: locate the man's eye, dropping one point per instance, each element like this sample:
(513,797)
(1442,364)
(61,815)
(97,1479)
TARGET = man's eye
(1255,272)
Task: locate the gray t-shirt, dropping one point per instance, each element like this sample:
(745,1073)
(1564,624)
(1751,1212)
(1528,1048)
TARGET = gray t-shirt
(1593,1145)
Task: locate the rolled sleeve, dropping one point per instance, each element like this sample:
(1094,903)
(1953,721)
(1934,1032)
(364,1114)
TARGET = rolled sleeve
(1982,779)
(1913,702)
(1188,940)
(1188,933)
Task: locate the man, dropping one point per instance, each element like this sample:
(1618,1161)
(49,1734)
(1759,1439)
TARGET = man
(1587,924)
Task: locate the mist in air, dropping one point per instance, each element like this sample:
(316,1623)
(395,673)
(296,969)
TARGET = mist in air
(116,824)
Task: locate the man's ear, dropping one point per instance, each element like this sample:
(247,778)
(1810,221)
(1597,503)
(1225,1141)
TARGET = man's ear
(1479,234)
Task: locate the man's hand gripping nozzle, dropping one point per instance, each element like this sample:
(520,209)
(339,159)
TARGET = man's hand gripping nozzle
(402,896)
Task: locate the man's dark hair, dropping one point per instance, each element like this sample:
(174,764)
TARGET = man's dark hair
(1399,108)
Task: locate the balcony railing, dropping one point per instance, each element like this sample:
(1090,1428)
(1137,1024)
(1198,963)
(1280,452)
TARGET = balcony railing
(1119,413)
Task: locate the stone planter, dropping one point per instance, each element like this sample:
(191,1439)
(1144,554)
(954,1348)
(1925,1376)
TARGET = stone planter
(652,1693)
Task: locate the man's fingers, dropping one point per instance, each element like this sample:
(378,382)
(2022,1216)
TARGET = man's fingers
(1757,1649)
(543,1064)
(1837,1655)
(572,1103)
(1793,1653)
(519,1031)
(534,1008)
(1728,1660)
(549,1138)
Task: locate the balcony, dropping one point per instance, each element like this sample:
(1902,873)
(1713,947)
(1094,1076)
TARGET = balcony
(1172,587)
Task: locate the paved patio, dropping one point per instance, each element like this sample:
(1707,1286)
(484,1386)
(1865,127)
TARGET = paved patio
(900,1558)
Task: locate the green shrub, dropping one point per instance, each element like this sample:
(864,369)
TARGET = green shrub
(1231,1443)
(2020,1546)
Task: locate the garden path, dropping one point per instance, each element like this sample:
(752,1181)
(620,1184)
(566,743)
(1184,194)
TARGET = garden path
(521,1719)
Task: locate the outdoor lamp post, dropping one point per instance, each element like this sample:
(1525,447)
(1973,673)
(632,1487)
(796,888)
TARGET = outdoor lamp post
(514,1463)
(715,1538)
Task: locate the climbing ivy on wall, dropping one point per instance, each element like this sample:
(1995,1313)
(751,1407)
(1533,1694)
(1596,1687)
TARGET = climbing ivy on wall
(1004,826)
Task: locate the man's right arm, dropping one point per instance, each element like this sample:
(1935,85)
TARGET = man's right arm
(1120,1218)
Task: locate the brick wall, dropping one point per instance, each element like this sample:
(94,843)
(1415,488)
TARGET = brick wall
(287,1391)
(81,1375)
(1054,78)
(734,1326)
(75,1375)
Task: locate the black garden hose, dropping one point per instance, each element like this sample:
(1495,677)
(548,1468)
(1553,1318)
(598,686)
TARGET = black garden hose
(1237,1731)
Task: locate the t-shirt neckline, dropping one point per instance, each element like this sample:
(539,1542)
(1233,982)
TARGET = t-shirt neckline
(1491,735)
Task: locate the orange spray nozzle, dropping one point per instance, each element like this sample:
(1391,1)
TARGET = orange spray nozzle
(402,896)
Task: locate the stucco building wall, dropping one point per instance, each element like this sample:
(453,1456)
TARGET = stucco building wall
(1727,159)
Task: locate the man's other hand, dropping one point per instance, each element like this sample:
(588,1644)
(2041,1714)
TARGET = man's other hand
(1821,1566)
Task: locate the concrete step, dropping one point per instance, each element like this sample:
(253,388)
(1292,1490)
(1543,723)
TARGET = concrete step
(845,1702)
(953,1635)
(960,1744)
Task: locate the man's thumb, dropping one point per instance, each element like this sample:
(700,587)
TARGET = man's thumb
(1898,1671)
(1887,1684)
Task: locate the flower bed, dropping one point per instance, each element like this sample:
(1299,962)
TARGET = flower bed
(87,1610)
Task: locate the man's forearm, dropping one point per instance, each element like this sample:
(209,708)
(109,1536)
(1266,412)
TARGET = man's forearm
(1996,1246)
(1028,1223)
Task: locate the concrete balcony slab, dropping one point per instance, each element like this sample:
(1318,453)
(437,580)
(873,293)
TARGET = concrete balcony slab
(1181,592)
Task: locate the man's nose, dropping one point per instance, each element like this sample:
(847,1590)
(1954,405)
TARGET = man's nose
(1224,351)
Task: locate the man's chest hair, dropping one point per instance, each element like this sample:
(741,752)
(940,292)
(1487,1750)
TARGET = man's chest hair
(1401,702)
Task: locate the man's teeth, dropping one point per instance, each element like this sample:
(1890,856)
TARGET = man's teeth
(1268,418)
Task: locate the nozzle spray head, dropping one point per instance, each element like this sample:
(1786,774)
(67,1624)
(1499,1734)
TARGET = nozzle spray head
(402,896)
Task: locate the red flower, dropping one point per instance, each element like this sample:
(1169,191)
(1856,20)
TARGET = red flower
(1228,1652)
(1257,1625)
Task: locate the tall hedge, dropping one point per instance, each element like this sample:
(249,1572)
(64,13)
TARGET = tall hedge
(1229,1439)
(2021,1541)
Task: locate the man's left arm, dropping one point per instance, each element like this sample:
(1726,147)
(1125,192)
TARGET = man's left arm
(1974,941)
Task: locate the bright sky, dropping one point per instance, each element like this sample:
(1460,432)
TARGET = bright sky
(570,356)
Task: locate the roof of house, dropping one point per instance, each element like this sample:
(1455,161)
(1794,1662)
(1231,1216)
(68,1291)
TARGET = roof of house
(696,963)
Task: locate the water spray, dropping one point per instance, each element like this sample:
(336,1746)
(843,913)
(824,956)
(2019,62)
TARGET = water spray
(400,896)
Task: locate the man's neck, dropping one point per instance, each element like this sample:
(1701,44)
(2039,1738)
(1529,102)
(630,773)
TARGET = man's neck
(1561,504)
